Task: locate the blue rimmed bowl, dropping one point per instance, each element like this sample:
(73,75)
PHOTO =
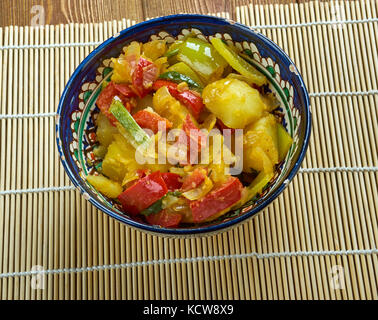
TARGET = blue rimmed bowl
(75,128)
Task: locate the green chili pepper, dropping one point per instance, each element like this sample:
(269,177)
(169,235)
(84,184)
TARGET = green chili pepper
(178,77)
(153,208)
(158,205)
(184,69)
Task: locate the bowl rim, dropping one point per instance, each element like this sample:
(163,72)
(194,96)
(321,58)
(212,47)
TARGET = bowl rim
(207,229)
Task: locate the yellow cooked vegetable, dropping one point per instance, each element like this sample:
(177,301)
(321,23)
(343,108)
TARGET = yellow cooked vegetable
(122,69)
(105,130)
(271,101)
(209,122)
(256,158)
(172,51)
(200,191)
(162,64)
(239,77)
(100,151)
(284,142)
(106,186)
(168,107)
(260,145)
(154,49)
(268,125)
(118,159)
(234,102)
(219,173)
(238,63)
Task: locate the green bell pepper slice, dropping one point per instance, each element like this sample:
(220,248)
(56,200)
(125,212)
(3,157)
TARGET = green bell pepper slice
(184,69)
(238,63)
(159,205)
(171,53)
(201,57)
(134,133)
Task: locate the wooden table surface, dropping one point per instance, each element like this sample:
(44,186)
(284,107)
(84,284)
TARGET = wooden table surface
(21,12)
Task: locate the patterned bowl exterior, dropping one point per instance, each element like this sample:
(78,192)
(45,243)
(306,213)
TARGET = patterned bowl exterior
(77,110)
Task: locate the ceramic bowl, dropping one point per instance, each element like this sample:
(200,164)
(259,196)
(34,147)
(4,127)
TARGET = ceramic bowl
(75,128)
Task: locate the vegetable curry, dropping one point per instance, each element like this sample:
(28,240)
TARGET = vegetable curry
(163,108)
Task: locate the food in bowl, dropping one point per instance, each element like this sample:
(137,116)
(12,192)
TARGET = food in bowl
(186,131)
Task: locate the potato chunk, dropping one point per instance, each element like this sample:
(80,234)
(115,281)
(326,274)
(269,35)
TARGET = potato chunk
(168,107)
(106,186)
(261,145)
(256,158)
(269,125)
(234,102)
(118,159)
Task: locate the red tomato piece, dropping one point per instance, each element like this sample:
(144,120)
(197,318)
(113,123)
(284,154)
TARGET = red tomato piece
(151,120)
(191,99)
(142,173)
(194,133)
(217,200)
(193,139)
(125,90)
(125,101)
(164,83)
(164,219)
(144,75)
(105,99)
(137,80)
(193,180)
(132,61)
(143,193)
(106,96)
(150,74)
(172,180)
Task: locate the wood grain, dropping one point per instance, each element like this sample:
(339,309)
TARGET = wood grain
(20,12)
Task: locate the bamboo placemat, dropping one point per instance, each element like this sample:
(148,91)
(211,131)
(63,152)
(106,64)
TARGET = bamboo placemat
(322,228)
